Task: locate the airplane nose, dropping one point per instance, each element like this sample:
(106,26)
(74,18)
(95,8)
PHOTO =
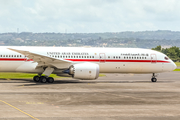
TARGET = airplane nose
(173,65)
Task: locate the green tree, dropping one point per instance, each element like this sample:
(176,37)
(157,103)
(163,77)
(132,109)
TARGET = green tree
(164,50)
(173,52)
(158,48)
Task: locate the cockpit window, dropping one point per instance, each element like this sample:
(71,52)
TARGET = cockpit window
(166,58)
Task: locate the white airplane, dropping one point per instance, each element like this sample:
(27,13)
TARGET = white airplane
(82,63)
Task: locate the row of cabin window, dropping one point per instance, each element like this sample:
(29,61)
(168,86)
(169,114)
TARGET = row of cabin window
(10,56)
(72,56)
(118,57)
(134,57)
(115,57)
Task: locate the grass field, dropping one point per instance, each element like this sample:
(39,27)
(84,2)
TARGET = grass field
(177,70)
(26,75)
(20,75)
(177,63)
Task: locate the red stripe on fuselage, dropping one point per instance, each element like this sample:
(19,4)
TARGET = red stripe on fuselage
(89,60)
(97,60)
(15,59)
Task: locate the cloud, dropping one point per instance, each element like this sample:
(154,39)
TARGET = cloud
(88,15)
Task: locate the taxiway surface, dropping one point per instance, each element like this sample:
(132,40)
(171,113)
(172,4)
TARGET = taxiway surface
(114,97)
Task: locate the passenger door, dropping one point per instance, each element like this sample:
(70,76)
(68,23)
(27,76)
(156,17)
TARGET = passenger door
(102,57)
(25,58)
(153,58)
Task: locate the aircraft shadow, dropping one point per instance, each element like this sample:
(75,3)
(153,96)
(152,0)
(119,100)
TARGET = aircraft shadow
(92,82)
(32,83)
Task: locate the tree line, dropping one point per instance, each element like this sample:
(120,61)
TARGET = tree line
(173,52)
(141,39)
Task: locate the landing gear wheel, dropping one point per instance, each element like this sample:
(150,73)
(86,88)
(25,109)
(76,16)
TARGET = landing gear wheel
(153,79)
(36,78)
(43,79)
(50,80)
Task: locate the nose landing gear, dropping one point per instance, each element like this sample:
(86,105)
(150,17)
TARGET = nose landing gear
(154,79)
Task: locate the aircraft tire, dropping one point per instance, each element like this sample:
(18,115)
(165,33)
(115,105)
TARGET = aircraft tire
(43,79)
(153,79)
(50,80)
(36,78)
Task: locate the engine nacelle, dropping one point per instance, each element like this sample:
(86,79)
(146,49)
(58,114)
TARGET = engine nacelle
(85,71)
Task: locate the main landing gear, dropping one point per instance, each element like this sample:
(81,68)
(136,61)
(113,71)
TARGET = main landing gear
(43,79)
(153,79)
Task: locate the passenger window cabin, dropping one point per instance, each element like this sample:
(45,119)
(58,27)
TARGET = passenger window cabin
(9,56)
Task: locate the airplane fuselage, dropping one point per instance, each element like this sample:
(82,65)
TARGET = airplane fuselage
(110,60)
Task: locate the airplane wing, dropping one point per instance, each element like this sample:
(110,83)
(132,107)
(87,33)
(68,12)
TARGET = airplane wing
(44,61)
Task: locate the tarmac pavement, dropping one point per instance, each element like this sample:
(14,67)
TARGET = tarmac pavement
(113,97)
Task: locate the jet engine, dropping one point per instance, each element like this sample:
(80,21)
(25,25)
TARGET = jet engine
(84,71)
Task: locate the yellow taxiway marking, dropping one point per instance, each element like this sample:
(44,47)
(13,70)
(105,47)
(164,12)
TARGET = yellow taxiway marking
(28,102)
(19,110)
(20,86)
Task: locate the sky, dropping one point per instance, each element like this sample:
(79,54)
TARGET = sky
(88,16)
